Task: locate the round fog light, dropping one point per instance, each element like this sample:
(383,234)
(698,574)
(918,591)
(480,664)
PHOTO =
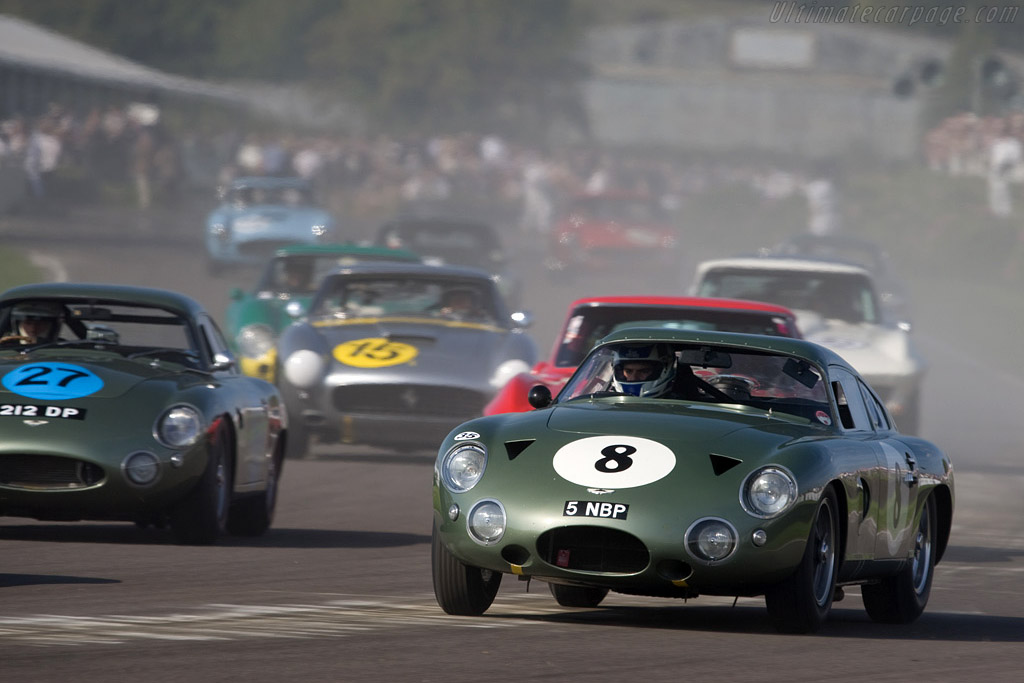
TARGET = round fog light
(711,540)
(486,522)
(141,468)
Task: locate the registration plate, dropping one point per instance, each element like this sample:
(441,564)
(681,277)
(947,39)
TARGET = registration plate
(595,508)
(31,410)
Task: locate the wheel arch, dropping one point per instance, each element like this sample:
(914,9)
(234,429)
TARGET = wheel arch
(944,513)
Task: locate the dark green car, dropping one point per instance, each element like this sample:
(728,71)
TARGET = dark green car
(254,319)
(680,463)
(124,403)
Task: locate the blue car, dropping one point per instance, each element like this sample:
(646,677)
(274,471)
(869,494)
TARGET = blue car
(258,215)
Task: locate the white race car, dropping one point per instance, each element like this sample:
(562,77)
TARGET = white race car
(837,305)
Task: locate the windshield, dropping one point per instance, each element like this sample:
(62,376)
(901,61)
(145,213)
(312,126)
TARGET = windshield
(841,296)
(403,296)
(588,325)
(702,373)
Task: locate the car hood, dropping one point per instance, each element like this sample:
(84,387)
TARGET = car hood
(50,378)
(677,423)
(278,214)
(872,350)
(442,349)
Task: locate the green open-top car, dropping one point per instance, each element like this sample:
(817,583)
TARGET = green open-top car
(679,463)
(254,319)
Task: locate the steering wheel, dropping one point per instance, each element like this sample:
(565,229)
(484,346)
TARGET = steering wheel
(15,337)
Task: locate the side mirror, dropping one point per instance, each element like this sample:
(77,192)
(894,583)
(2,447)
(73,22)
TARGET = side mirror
(539,397)
(223,361)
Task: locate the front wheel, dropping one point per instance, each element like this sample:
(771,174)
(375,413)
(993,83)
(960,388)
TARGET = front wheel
(253,515)
(577,596)
(901,599)
(801,603)
(460,590)
(202,516)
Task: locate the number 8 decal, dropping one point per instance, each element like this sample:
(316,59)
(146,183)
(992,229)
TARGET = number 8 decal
(614,462)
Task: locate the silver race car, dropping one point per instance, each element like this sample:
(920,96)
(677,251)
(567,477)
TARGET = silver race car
(396,354)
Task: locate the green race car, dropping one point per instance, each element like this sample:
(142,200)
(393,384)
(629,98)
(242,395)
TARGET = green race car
(255,319)
(124,403)
(679,463)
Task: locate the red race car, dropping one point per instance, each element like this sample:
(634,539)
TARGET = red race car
(591,319)
(612,227)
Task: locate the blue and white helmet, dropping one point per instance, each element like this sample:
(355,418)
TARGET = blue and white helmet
(644,370)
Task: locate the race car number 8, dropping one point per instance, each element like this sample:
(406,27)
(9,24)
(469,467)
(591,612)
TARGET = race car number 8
(614,462)
(374,352)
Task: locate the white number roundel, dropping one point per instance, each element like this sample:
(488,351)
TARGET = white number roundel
(613,462)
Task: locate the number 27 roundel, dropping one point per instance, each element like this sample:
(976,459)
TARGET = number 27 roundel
(52,381)
(613,462)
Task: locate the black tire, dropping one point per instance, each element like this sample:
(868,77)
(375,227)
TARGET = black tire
(801,603)
(202,516)
(253,515)
(577,596)
(297,442)
(900,599)
(459,589)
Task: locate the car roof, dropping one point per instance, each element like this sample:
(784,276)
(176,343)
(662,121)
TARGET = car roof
(85,291)
(749,342)
(781,263)
(345,250)
(683,302)
(400,268)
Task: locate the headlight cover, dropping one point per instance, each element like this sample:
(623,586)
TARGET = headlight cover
(255,341)
(507,371)
(711,540)
(486,522)
(179,427)
(304,368)
(463,466)
(768,492)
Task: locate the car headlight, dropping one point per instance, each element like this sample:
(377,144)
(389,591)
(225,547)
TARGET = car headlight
(710,539)
(141,468)
(255,341)
(180,426)
(507,371)
(463,466)
(304,368)
(486,522)
(768,492)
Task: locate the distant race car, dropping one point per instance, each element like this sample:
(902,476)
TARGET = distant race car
(837,305)
(786,478)
(124,403)
(258,215)
(394,354)
(599,231)
(254,319)
(456,242)
(592,318)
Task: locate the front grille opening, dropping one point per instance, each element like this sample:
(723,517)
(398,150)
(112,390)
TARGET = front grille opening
(593,549)
(29,471)
(408,399)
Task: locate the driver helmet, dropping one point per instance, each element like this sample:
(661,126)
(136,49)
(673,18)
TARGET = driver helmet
(37,310)
(659,362)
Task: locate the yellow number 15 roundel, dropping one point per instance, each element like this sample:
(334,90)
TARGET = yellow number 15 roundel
(374,352)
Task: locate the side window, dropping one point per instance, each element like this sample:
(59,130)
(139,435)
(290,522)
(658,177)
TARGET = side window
(853,413)
(876,413)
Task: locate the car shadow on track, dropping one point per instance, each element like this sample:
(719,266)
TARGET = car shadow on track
(11,580)
(842,623)
(128,534)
